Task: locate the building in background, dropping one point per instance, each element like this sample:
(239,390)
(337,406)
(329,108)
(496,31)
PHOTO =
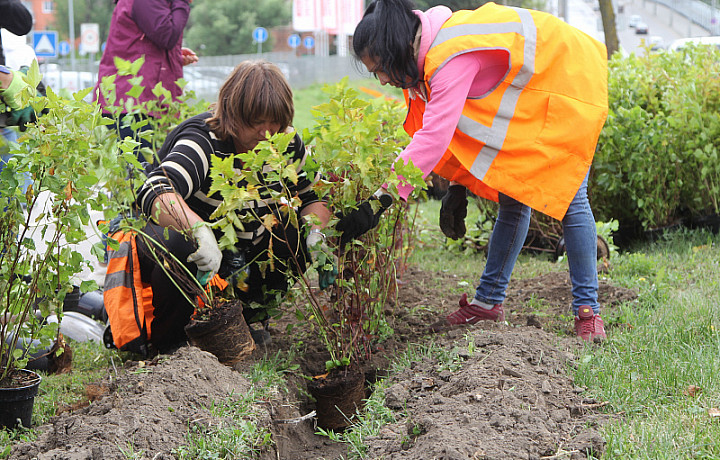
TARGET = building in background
(326,19)
(43,12)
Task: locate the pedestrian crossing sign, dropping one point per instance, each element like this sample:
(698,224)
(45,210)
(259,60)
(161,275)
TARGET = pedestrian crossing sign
(45,43)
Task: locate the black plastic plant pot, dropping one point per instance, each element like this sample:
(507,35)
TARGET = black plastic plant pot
(16,404)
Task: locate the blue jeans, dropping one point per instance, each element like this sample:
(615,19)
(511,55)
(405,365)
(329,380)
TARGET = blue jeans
(509,235)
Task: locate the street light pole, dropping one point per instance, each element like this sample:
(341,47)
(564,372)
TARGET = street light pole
(71,25)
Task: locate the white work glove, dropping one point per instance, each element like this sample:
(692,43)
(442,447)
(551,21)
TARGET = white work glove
(321,254)
(208,255)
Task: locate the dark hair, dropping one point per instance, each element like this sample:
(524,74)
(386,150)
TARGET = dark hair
(255,91)
(387,32)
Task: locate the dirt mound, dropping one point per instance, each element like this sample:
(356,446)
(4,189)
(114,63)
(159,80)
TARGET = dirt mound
(507,392)
(510,397)
(148,409)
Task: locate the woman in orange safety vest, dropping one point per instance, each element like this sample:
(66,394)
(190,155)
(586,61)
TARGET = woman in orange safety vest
(507,103)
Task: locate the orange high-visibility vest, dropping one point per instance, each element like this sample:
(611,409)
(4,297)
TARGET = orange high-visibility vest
(128,301)
(533,136)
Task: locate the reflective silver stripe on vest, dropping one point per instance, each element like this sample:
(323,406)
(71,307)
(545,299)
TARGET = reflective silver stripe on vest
(122,277)
(493,137)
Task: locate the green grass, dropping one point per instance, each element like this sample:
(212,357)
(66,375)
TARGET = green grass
(645,371)
(306,98)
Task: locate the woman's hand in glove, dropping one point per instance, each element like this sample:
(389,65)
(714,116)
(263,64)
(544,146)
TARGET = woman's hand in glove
(208,255)
(361,220)
(11,96)
(453,212)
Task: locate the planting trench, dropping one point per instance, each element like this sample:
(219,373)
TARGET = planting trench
(510,396)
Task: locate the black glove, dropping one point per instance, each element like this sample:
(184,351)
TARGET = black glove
(361,220)
(21,117)
(453,212)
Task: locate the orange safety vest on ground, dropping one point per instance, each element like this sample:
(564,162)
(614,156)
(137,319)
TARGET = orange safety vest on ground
(128,301)
(532,137)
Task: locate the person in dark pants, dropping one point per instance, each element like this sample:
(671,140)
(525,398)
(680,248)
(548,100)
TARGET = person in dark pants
(254,102)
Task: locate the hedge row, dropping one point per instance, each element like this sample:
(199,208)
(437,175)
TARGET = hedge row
(657,159)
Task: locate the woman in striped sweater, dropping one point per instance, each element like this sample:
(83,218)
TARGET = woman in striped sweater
(254,103)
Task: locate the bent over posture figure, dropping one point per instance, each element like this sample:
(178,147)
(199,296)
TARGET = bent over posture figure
(253,103)
(507,103)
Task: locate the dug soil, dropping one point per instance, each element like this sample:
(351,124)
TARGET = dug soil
(500,390)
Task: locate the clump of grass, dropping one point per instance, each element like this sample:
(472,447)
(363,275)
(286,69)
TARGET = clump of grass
(663,371)
(239,434)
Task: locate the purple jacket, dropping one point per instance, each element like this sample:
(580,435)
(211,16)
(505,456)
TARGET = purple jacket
(150,28)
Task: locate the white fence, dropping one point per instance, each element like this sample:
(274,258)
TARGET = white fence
(696,11)
(206,77)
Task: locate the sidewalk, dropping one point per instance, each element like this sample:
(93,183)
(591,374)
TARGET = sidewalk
(582,15)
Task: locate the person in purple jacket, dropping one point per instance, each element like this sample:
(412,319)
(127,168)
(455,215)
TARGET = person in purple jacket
(151,29)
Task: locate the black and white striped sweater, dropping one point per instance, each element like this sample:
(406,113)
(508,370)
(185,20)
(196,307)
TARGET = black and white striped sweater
(184,162)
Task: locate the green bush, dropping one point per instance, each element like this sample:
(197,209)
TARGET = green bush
(657,158)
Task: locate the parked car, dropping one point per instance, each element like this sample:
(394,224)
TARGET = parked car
(634,20)
(72,81)
(641,28)
(656,43)
(681,43)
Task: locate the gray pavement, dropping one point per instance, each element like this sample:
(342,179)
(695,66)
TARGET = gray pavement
(662,22)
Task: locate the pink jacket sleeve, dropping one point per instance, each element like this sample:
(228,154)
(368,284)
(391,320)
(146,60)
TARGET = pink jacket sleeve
(450,87)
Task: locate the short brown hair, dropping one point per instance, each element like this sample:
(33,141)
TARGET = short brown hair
(255,91)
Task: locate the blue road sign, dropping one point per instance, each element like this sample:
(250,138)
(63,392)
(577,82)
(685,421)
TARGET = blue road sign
(294,40)
(64,48)
(45,43)
(309,42)
(260,34)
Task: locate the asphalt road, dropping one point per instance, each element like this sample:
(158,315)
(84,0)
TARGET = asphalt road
(661,21)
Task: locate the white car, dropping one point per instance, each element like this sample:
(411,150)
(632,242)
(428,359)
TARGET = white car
(641,28)
(656,43)
(681,43)
(634,20)
(69,80)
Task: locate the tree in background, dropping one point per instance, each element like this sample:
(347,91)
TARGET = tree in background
(607,12)
(84,11)
(219,27)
